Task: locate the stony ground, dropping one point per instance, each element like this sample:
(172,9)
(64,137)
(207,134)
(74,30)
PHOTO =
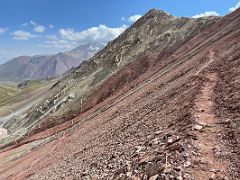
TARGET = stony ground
(178,120)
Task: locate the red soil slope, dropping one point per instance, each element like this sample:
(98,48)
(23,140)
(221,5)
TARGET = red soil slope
(158,118)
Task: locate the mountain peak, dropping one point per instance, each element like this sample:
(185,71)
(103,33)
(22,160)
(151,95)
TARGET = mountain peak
(159,13)
(87,50)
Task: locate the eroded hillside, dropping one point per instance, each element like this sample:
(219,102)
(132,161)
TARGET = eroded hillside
(159,102)
(155,34)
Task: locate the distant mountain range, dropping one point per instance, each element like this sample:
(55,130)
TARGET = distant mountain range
(46,66)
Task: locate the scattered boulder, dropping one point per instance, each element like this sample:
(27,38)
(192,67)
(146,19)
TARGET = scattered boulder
(23,84)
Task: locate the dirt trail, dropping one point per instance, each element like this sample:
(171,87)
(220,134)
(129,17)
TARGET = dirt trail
(207,130)
(211,59)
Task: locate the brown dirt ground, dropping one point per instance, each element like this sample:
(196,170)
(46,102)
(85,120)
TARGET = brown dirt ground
(147,131)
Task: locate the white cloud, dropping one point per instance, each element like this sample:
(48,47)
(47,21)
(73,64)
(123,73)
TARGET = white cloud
(59,44)
(23,35)
(235,7)
(50,26)
(2,51)
(207,13)
(33,23)
(131,19)
(51,37)
(3,30)
(134,18)
(37,28)
(123,18)
(101,34)
(24,24)
(69,38)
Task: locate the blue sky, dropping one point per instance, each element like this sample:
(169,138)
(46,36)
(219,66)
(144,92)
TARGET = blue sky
(29,27)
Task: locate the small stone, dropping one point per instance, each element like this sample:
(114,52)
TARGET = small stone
(194,137)
(170,140)
(122,176)
(198,127)
(135,178)
(213,170)
(217,149)
(187,164)
(176,147)
(150,136)
(94,177)
(167,169)
(179,178)
(212,177)
(187,176)
(145,159)
(177,168)
(156,141)
(69,178)
(152,170)
(158,132)
(121,170)
(153,177)
(129,174)
(139,148)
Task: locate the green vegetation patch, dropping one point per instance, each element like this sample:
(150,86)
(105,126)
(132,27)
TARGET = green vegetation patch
(6,92)
(13,94)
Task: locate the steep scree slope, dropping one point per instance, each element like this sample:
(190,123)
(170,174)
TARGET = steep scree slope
(156,33)
(153,123)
